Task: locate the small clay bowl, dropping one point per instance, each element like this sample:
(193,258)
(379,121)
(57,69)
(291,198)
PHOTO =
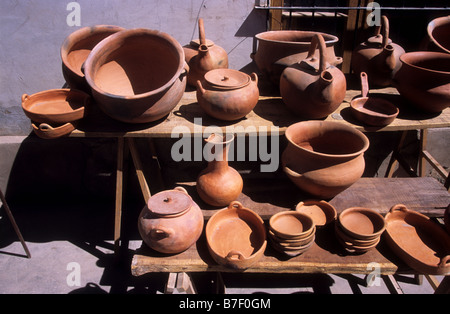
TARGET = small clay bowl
(321,212)
(361,223)
(352,241)
(291,242)
(47,131)
(352,248)
(291,251)
(291,225)
(374,111)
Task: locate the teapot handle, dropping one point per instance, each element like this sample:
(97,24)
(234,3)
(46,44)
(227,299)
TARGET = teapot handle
(318,41)
(384,30)
(201,32)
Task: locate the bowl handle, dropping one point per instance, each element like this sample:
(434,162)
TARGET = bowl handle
(181,189)
(291,172)
(400,208)
(235,255)
(444,262)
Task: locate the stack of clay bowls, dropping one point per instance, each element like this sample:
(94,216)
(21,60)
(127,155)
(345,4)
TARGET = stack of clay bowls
(291,232)
(359,229)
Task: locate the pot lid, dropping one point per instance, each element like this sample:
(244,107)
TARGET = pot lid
(227,78)
(169,203)
(377,40)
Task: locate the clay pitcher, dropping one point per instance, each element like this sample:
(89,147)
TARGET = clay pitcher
(171,221)
(313,88)
(379,57)
(203,55)
(219,184)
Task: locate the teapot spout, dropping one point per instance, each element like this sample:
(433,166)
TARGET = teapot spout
(325,87)
(389,57)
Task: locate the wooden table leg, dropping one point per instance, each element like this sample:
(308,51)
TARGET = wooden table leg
(139,170)
(119,194)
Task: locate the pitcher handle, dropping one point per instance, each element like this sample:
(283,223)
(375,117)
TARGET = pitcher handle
(318,42)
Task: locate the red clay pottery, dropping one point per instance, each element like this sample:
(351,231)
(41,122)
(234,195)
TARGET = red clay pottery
(361,223)
(424,80)
(291,225)
(137,75)
(421,243)
(323,158)
(219,184)
(374,111)
(378,56)
(75,50)
(171,222)
(236,236)
(438,32)
(322,213)
(280,49)
(313,88)
(46,131)
(55,106)
(227,94)
(203,55)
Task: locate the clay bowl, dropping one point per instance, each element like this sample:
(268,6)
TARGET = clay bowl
(374,111)
(424,80)
(291,250)
(76,48)
(55,106)
(291,242)
(361,223)
(47,131)
(351,241)
(438,31)
(137,75)
(321,212)
(291,225)
(236,236)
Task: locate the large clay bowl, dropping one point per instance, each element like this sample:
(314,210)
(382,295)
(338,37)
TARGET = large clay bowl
(137,75)
(374,111)
(291,225)
(236,236)
(361,223)
(55,106)
(424,80)
(322,213)
(77,47)
(323,158)
(280,49)
(438,32)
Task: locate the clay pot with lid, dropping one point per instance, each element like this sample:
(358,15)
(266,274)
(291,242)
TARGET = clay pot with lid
(379,57)
(137,75)
(280,49)
(438,31)
(75,50)
(171,222)
(323,158)
(203,55)
(227,94)
(313,88)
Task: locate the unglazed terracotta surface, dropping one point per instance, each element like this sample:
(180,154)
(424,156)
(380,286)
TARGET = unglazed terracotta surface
(46,131)
(362,223)
(322,213)
(291,225)
(438,31)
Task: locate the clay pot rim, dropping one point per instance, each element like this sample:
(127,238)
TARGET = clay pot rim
(342,126)
(329,39)
(103,46)
(409,58)
(298,215)
(362,210)
(330,210)
(81,34)
(437,22)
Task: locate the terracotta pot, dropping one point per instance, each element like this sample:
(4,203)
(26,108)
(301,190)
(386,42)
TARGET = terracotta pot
(75,50)
(313,88)
(137,75)
(438,32)
(227,94)
(280,49)
(203,55)
(424,80)
(46,131)
(379,57)
(219,184)
(171,222)
(323,158)
(291,225)
(236,236)
(361,223)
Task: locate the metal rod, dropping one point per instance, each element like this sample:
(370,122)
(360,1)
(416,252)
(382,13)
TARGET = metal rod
(314,8)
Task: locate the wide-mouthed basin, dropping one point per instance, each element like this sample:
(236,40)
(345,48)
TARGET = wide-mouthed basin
(438,31)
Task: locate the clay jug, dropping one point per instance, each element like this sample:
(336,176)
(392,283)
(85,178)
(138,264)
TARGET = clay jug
(203,55)
(171,221)
(219,184)
(313,88)
(379,57)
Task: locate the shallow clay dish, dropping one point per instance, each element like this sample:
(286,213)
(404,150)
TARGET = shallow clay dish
(291,250)
(352,241)
(236,236)
(47,131)
(291,242)
(55,106)
(291,225)
(418,241)
(361,223)
(321,212)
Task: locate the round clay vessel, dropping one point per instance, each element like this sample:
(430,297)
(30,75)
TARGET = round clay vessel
(361,223)
(236,236)
(227,94)
(137,75)
(378,56)
(219,184)
(438,31)
(75,50)
(323,158)
(46,131)
(202,55)
(291,225)
(280,49)
(313,88)
(351,241)
(424,80)
(292,242)
(322,213)
(171,222)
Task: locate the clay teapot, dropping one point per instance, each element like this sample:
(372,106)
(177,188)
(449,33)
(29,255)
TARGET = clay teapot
(379,57)
(203,55)
(171,221)
(228,94)
(313,88)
